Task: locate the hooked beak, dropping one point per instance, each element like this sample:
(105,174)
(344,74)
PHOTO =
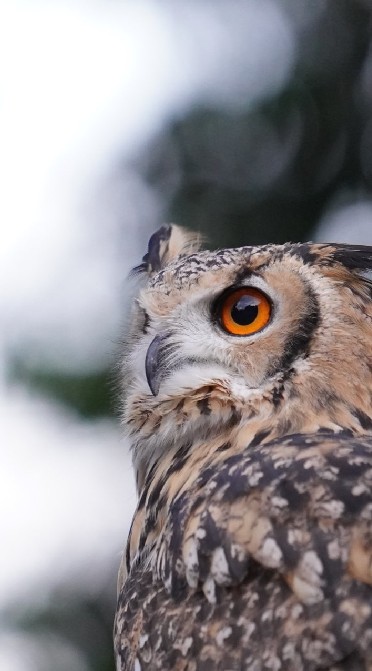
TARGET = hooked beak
(155,363)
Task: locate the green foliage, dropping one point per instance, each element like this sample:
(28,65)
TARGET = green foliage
(90,395)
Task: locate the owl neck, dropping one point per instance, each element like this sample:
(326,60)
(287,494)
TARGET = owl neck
(220,418)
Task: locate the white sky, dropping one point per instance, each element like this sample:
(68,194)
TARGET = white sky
(66,498)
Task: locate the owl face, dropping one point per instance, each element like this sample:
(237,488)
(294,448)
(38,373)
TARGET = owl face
(268,327)
(241,323)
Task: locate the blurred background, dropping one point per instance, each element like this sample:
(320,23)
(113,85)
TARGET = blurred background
(249,120)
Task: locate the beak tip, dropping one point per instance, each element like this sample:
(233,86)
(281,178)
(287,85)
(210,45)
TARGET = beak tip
(154,386)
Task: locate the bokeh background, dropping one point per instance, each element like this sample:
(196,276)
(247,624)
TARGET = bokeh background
(249,120)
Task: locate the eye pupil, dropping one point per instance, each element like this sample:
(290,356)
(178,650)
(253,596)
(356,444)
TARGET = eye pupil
(245,310)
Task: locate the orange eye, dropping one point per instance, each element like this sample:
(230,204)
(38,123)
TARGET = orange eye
(244,311)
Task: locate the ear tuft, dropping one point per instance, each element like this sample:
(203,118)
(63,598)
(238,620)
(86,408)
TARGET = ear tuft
(166,244)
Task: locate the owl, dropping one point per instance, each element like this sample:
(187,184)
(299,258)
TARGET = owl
(247,399)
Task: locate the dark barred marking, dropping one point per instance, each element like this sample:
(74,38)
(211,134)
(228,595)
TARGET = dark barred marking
(127,551)
(203,406)
(278,394)
(289,550)
(177,465)
(224,447)
(364,420)
(142,501)
(155,494)
(296,498)
(184,450)
(146,323)
(234,418)
(353,257)
(259,437)
(161,504)
(180,405)
(298,345)
(306,253)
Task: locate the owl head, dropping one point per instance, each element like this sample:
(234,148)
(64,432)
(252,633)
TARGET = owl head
(256,341)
